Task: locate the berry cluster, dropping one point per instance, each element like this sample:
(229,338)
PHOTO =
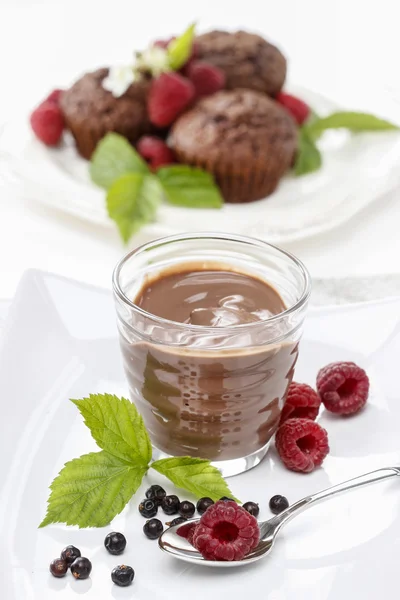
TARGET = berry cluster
(71,558)
(225,531)
(156,497)
(170,95)
(302,444)
(81,567)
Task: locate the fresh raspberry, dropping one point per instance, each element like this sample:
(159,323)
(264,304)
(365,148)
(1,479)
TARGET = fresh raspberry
(343,387)
(47,123)
(301,444)
(54,96)
(301,402)
(206,78)
(169,95)
(187,531)
(226,531)
(155,151)
(299,110)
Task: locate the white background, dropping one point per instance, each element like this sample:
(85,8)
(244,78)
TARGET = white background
(348,50)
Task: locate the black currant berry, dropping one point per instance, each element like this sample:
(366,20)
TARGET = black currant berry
(70,553)
(278,503)
(58,567)
(252,508)
(226,499)
(203,504)
(176,521)
(186,509)
(153,529)
(148,508)
(170,504)
(81,568)
(157,493)
(115,542)
(122,575)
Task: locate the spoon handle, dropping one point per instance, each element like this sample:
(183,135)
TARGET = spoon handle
(351,484)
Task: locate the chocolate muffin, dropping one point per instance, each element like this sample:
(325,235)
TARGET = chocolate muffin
(90,111)
(245,139)
(247,59)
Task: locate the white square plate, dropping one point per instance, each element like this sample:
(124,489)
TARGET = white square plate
(60,342)
(357,170)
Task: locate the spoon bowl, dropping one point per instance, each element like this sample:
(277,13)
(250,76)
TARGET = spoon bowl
(177,546)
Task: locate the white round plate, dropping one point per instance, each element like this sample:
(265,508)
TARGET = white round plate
(60,341)
(357,170)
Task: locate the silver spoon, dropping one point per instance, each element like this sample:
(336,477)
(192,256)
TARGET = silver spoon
(179,547)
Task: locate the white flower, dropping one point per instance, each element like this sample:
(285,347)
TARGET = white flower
(119,79)
(154,59)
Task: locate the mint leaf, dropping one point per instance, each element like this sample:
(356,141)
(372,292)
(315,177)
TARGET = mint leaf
(113,157)
(91,490)
(117,427)
(195,475)
(353,121)
(189,187)
(308,158)
(132,201)
(180,49)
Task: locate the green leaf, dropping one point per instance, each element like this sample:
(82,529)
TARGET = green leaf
(132,201)
(113,157)
(353,121)
(195,475)
(180,49)
(117,427)
(91,490)
(189,187)
(308,158)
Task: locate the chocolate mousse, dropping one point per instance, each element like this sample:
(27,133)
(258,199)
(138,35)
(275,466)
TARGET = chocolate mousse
(218,400)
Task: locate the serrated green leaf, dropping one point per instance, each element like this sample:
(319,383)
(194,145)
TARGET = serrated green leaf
(195,475)
(132,201)
(91,490)
(116,427)
(180,49)
(353,121)
(113,157)
(189,187)
(308,157)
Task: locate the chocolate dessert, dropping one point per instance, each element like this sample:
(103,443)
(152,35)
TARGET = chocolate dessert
(247,59)
(214,401)
(245,139)
(90,111)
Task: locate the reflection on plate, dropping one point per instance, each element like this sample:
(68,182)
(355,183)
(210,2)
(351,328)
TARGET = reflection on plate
(59,341)
(357,170)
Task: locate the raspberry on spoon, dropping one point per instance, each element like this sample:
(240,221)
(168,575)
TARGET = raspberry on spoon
(226,532)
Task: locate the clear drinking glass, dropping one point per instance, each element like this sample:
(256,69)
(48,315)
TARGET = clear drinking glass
(212,392)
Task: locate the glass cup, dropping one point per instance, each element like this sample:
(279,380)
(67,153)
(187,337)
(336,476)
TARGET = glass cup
(210,392)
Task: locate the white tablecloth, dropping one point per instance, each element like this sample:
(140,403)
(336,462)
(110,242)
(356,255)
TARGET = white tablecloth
(347,49)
